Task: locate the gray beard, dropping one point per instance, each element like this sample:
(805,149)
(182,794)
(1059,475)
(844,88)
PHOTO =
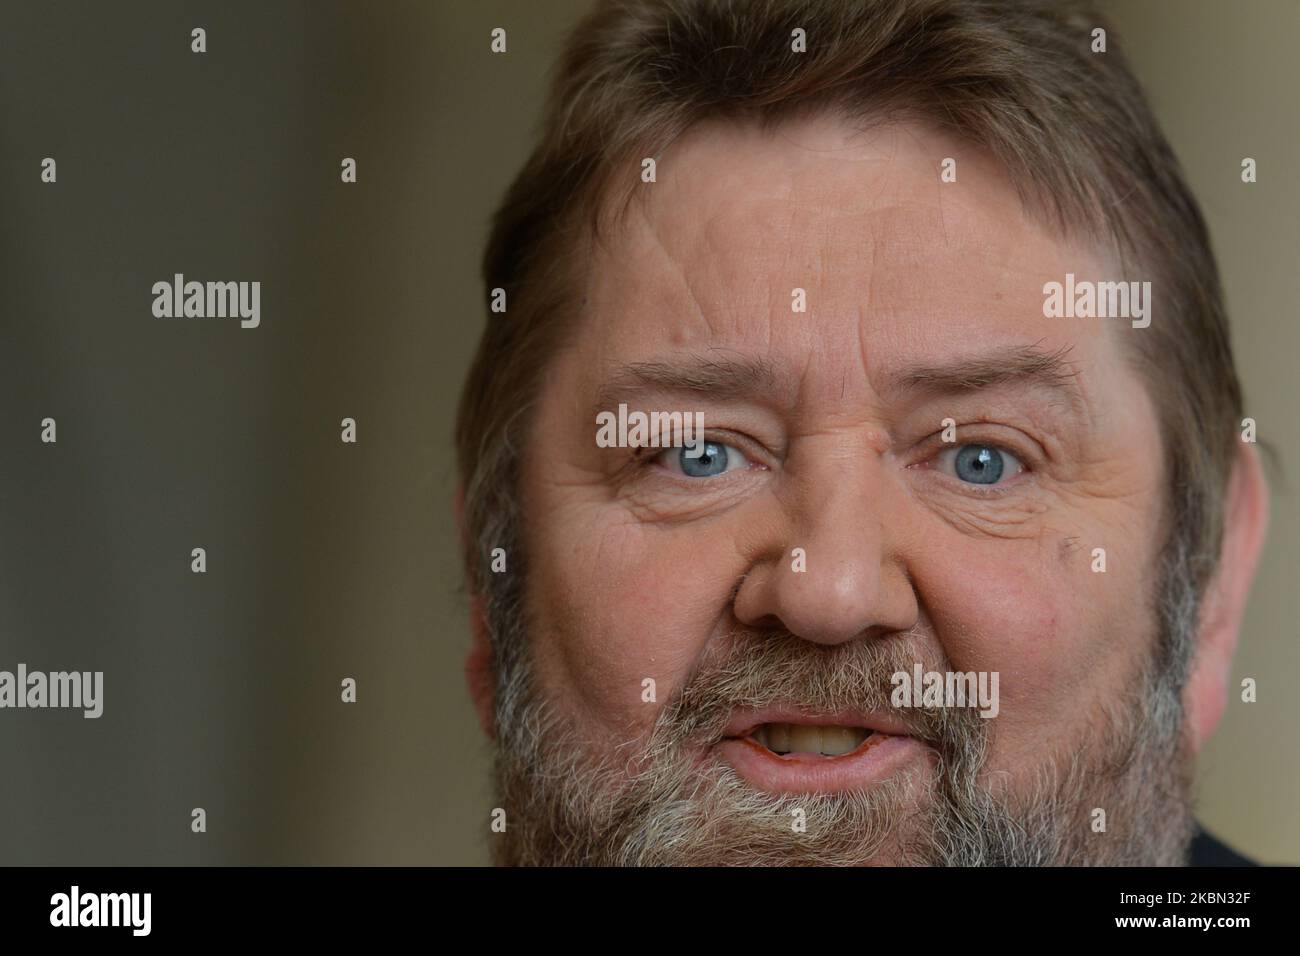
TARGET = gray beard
(648,802)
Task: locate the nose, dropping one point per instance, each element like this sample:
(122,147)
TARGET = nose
(846,514)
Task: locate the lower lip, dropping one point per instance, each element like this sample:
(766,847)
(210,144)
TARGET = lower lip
(879,756)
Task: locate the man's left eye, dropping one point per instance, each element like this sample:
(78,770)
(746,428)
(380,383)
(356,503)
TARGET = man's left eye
(979,464)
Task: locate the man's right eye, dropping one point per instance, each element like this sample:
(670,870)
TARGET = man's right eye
(717,459)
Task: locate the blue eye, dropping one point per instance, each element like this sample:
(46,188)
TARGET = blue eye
(979,464)
(717,459)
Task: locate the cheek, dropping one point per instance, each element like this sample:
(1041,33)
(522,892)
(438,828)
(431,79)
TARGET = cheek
(1059,635)
(614,603)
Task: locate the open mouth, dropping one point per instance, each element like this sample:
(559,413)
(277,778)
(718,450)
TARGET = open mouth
(827,740)
(784,749)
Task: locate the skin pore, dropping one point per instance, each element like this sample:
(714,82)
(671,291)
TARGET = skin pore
(924,303)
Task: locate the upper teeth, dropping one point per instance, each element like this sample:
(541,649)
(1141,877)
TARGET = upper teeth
(807,738)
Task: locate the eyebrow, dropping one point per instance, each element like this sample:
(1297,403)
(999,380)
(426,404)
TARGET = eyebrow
(723,376)
(719,375)
(1012,365)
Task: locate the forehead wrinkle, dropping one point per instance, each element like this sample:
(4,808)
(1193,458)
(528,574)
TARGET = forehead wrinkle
(716,226)
(678,270)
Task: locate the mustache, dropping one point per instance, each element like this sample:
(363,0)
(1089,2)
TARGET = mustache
(748,671)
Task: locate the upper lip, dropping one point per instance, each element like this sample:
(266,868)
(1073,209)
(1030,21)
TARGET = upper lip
(743,723)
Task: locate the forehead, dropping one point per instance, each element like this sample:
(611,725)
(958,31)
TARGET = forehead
(894,263)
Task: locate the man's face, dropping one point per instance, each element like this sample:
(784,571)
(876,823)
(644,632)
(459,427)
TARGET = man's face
(947,460)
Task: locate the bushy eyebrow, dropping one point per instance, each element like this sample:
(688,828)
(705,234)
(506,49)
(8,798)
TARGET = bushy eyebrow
(724,376)
(1008,365)
(717,374)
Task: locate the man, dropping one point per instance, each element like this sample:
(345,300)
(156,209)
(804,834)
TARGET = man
(957,573)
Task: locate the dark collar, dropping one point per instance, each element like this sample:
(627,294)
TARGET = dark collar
(1207,851)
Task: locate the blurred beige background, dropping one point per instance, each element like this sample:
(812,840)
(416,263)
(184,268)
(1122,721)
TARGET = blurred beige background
(328,561)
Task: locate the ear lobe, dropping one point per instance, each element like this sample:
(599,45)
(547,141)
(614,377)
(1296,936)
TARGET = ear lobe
(1245,523)
(479,677)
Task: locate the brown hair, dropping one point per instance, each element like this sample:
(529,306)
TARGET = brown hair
(1018,77)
